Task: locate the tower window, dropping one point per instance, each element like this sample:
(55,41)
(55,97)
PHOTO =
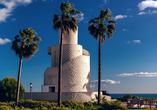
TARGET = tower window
(51,89)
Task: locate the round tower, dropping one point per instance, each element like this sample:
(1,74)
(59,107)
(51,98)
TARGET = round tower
(75,65)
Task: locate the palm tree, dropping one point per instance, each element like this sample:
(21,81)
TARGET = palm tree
(98,28)
(65,22)
(24,45)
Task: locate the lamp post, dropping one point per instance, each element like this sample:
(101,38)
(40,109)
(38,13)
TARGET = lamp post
(31,90)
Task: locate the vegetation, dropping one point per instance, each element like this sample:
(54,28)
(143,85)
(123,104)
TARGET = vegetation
(128,96)
(98,28)
(8,90)
(24,45)
(66,105)
(65,22)
(125,98)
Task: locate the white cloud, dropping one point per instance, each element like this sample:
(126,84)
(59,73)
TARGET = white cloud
(149,12)
(4,41)
(147,4)
(124,29)
(134,41)
(142,13)
(13,19)
(120,17)
(154,11)
(105,1)
(80,17)
(137,41)
(107,81)
(129,9)
(140,74)
(128,42)
(10,5)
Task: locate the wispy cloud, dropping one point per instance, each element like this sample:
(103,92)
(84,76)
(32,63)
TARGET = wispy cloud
(105,1)
(129,9)
(147,4)
(140,74)
(105,82)
(80,17)
(92,86)
(4,41)
(141,13)
(13,19)
(134,41)
(120,17)
(10,5)
(149,12)
(124,30)
(154,12)
(128,42)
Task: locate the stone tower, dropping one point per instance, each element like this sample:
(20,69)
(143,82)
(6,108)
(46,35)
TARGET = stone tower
(75,66)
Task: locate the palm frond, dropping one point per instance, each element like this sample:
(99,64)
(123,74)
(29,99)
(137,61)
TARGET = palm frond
(102,25)
(112,22)
(26,41)
(66,22)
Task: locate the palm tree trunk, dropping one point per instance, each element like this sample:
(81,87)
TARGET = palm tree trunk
(99,72)
(19,75)
(60,70)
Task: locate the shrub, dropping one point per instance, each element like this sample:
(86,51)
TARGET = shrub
(71,104)
(35,109)
(3,103)
(44,108)
(28,103)
(88,105)
(16,108)
(116,102)
(113,105)
(8,89)
(12,104)
(4,107)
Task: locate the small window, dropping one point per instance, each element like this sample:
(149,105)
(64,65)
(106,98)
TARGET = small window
(51,89)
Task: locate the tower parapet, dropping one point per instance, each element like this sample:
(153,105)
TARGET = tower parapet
(70,38)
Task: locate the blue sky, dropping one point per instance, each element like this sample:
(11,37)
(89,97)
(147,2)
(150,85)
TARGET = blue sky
(129,62)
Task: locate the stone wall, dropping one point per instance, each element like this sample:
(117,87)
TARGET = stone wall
(75,96)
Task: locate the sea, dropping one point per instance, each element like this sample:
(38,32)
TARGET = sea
(115,96)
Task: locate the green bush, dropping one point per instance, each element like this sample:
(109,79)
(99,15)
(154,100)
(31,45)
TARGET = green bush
(4,107)
(88,105)
(116,102)
(28,103)
(113,105)
(3,103)
(71,104)
(35,109)
(8,89)
(66,105)
(16,108)
(12,104)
